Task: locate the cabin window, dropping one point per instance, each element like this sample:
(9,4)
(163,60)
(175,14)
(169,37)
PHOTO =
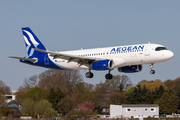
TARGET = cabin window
(128,110)
(152,109)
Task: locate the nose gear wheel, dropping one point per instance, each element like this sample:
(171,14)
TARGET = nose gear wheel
(152,71)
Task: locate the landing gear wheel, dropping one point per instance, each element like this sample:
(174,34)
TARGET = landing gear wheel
(151,66)
(89,75)
(152,71)
(108,76)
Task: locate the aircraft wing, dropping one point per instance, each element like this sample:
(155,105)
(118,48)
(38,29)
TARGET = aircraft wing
(21,58)
(71,58)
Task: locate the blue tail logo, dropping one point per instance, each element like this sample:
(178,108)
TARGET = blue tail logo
(29,35)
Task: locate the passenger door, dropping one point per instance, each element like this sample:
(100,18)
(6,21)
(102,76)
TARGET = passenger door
(147,50)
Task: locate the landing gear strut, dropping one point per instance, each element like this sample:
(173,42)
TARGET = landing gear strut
(89,74)
(109,75)
(152,71)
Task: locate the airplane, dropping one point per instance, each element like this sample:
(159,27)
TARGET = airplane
(127,58)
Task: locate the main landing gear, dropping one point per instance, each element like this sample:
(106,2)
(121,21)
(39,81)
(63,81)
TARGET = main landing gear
(107,76)
(152,71)
(89,74)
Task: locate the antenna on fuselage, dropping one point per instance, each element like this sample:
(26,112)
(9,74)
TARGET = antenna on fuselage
(149,42)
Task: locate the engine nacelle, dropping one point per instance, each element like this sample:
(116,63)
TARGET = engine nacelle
(102,65)
(130,69)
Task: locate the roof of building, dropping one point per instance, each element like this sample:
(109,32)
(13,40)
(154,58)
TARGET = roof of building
(12,102)
(5,103)
(140,105)
(17,112)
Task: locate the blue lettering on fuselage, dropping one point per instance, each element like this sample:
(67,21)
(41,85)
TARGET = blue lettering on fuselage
(113,50)
(124,49)
(135,48)
(128,48)
(118,49)
(141,47)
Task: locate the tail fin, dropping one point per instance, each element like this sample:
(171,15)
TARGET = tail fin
(30,36)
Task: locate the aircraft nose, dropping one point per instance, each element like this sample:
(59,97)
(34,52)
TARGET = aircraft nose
(170,54)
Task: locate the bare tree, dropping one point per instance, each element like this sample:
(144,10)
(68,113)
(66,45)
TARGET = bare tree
(68,103)
(31,82)
(89,86)
(116,98)
(20,93)
(2,97)
(65,80)
(102,88)
(5,89)
(121,83)
(28,84)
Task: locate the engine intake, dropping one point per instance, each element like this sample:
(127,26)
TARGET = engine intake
(130,69)
(102,65)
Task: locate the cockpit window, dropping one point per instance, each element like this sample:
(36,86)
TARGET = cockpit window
(160,48)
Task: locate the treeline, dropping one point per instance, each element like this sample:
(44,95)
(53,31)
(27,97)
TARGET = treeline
(62,92)
(66,91)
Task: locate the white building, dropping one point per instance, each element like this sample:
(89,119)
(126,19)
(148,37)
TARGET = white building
(10,97)
(134,111)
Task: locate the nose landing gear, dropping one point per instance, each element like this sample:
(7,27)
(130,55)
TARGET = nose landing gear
(152,71)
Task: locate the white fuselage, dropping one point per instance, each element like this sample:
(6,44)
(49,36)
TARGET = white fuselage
(121,55)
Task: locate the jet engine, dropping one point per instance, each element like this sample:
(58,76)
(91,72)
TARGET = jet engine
(102,65)
(130,69)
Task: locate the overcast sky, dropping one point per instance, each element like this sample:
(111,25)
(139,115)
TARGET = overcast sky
(75,24)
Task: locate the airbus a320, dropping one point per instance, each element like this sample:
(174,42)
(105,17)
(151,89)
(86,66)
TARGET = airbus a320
(127,58)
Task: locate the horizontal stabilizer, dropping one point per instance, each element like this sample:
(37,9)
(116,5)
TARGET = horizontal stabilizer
(21,58)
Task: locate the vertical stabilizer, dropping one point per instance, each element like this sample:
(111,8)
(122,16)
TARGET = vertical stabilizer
(30,40)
